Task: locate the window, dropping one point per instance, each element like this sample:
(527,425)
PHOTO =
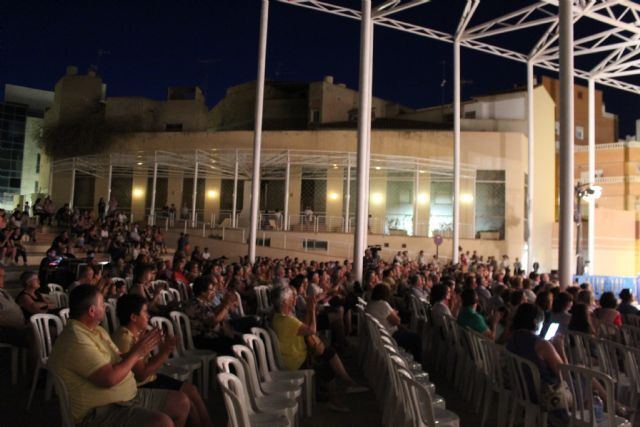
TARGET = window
(314,116)
(35,189)
(38,163)
(580,133)
(557,128)
(173,127)
(490,204)
(470,115)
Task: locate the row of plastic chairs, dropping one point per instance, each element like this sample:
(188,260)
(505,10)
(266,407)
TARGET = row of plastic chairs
(492,371)
(407,395)
(256,390)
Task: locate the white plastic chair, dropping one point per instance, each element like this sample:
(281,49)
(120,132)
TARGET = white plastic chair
(425,414)
(60,299)
(54,287)
(191,364)
(240,415)
(262,295)
(110,321)
(286,388)
(269,404)
(154,283)
(64,315)
(269,367)
(45,336)
(63,400)
(524,377)
(182,325)
(175,295)
(166,297)
(240,307)
(582,414)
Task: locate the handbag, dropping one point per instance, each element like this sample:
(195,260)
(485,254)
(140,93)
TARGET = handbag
(315,345)
(557,396)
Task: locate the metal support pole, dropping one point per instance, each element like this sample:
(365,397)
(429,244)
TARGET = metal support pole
(152,211)
(194,216)
(530,166)
(50,189)
(416,188)
(591,129)
(566,143)
(287,178)
(73,183)
(235,194)
(347,196)
(364,142)
(109,179)
(257,140)
(456,150)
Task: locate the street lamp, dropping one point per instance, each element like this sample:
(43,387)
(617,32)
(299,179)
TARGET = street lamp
(583,192)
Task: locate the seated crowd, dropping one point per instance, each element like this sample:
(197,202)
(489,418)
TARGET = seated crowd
(114,379)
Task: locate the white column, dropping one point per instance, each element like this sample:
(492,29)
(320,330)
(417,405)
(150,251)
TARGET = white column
(416,188)
(565,256)
(50,189)
(591,129)
(364,141)
(530,165)
(194,216)
(347,195)
(73,183)
(152,211)
(109,179)
(257,140)
(287,177)
(235,193)
(456,149)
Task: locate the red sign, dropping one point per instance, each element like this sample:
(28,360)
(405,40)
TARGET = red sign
(437,239)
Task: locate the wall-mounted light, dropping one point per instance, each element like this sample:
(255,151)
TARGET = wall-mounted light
(212,194)
(377,168)
(334,196)
(466,198)
(138,193)
(139,163)
(377,198)
(421,171)
(423,198)
(335,166)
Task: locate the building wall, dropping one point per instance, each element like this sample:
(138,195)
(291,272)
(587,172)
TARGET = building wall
(606,123)
(30,182)
(75,96)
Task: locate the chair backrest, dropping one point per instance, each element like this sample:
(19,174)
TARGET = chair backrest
(184,291)
(246,356)
(609,332)
(494,356)
(632,319)
(231,365)
(54,287)
(167,327)
(232,391)
(154,283)
(275,342)
(45,334)
(580,381)
(417,393)
(64,315)
(265,336)
(631,334)
(115,280)
(524,377)
(182,325)
(175,295)
(166,297)
(240,307)
(61,299)
(257,346)
(63,400)
(110,321)
(580,347)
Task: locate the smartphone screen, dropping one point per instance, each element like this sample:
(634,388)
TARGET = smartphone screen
(551,331)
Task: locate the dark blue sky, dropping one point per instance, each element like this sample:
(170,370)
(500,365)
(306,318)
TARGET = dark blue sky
(161,43)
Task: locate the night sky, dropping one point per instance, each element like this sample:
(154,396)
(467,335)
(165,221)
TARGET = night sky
(151,45)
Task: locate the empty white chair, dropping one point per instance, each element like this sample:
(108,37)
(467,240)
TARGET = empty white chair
(45,334)
(582,413)
(240,414)
(425,415)
(182,325)
(64,315)
(286,388)
(270,404)
(192,364)
(272,369)
(54,287)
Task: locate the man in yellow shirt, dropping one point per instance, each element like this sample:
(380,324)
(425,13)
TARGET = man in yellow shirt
(102,390)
